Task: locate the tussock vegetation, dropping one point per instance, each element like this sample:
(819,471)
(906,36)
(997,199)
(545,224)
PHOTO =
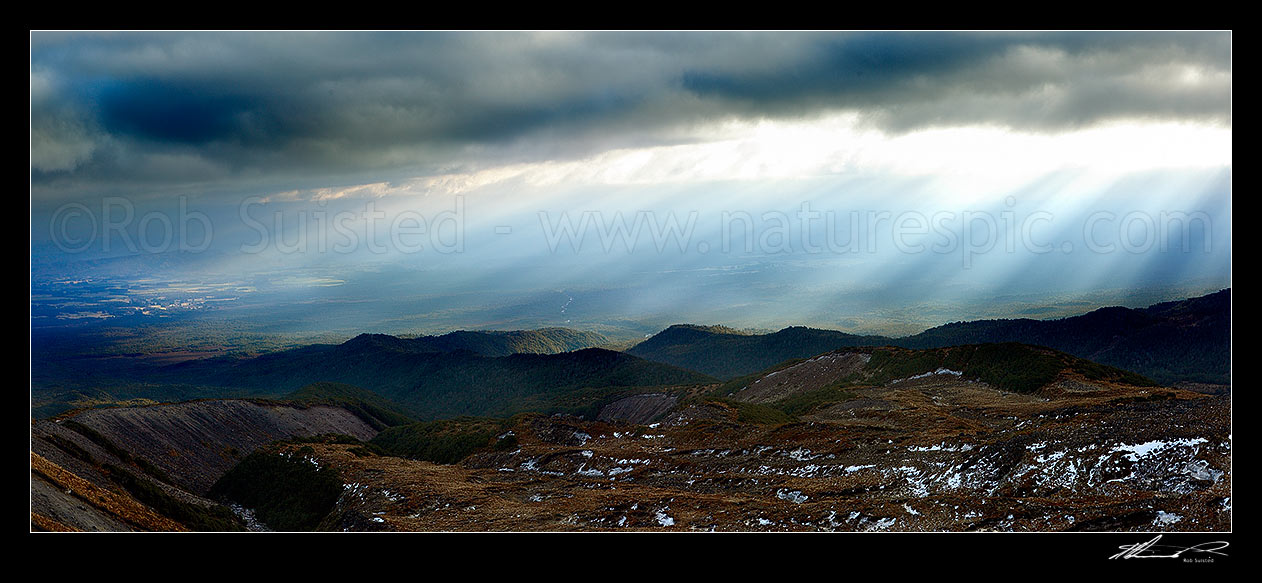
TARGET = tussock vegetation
(124,507)
(756,413)
(41,523)
(806,403)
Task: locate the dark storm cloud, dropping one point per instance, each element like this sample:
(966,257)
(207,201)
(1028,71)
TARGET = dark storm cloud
(1043,82)
(155,109)
(162,111)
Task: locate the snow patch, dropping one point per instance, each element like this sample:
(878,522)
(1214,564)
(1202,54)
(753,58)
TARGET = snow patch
(936,372)
(794,496)
(1136,451)
(882,524)
(1166,518)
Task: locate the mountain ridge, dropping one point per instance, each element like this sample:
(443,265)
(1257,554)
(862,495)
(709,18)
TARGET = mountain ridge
(431,385)
(1182,340)
(490,342)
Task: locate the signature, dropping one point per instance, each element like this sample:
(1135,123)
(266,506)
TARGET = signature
(1152,550)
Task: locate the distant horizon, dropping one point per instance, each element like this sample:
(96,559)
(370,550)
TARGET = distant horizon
(757,330)
(624,336)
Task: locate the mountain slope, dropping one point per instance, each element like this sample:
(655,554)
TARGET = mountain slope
(930,454)
(431,385)
(375,410)
(1188,340)
(1008,366)
(489,342)
(725,353)
(149,468)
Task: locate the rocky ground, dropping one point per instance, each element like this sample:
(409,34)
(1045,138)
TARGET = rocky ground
(934,451)
(929,454)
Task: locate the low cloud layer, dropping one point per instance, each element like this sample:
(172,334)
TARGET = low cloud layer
(201,112)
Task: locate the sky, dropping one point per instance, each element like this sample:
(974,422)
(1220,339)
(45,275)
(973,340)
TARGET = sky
(418,182)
